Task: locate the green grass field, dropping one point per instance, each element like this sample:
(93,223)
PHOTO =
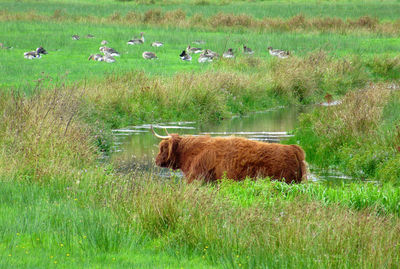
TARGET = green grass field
(69,56)
(63,206)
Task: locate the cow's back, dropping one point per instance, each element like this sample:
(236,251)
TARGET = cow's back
(241,158)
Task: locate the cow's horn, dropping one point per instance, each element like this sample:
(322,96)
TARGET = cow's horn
(157,135)
(166,131)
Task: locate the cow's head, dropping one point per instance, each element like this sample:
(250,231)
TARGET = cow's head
(168,156)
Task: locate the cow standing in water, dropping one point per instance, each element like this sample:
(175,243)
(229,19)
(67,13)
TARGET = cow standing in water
(209,158)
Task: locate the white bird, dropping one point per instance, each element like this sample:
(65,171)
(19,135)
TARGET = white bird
(75,37)
(247,50)
(136,41)
(157,44)
(104,42)
(194,50)
(229,54)
(185,56)
(109,51)
(149,55)
(35,54)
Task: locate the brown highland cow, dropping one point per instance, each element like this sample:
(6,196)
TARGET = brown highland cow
(209,158)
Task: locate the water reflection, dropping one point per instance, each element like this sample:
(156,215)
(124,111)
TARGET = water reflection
(269,125)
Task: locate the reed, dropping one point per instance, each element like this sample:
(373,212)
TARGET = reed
(41,136)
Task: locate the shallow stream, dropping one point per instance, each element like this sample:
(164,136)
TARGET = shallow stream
(137,145)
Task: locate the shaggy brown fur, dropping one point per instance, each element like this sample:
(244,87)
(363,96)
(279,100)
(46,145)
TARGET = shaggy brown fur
(209,158)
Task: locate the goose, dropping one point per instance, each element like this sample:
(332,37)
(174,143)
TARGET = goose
(157,44)
(108,58)
(35,54)
(96,57)
(109,51)
(284,54)
(278,53)
(149,55)
(194,50)
(247,50)
(184,56)
(75,37)
(32,55)
(205,58)
(211,54)
(89,36)
(136,41)
(229,54)
(104,42)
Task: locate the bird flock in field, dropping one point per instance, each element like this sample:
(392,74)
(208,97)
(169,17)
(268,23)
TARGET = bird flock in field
(206,55)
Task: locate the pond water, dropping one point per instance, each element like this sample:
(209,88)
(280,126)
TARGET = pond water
(137,146)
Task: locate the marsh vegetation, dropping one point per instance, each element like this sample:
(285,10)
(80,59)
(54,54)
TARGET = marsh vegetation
(63,204)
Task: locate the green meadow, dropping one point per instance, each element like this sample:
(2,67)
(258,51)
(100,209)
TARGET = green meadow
(71,56)
(64,204)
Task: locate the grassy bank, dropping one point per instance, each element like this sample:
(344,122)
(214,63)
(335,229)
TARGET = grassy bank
(67,209)
(360,136)
(63,205)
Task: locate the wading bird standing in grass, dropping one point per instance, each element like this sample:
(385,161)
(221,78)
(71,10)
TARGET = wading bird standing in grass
(109,51)
(247,50)
(185,56)
(157,44)
(278,53)
(211,158)
(136,41)
(75,37)
(194,50)
(149,55)
(228,54)
(35,54)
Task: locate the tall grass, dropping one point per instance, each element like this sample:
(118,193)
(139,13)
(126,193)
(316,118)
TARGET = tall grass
(223,226)
(213,96)
(386,10)
(360,135)
(84,212)
(220,21)
(41,137)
